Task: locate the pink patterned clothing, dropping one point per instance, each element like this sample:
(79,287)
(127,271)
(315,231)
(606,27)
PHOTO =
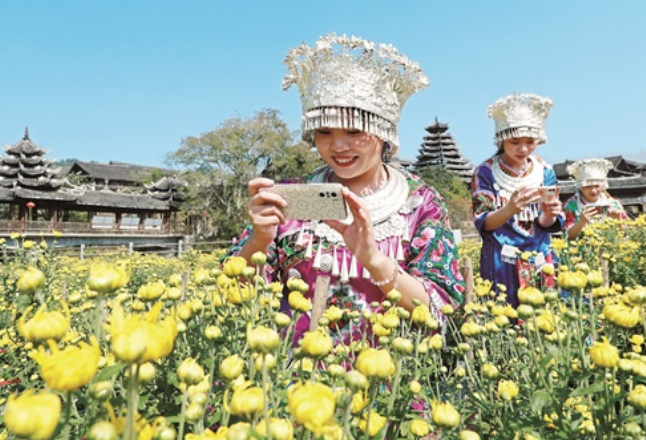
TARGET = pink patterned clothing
(426,250)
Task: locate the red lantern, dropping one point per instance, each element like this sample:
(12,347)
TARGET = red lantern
(31,205)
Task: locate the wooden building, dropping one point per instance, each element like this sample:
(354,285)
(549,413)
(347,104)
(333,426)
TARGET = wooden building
(439,149)
(35,197)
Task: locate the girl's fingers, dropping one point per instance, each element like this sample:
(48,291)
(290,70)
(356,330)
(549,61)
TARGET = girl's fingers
(255,185)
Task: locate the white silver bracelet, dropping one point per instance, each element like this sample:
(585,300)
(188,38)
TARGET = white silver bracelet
(392,277)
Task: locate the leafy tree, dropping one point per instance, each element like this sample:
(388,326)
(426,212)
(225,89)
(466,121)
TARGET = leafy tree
(455,192)
(220,163)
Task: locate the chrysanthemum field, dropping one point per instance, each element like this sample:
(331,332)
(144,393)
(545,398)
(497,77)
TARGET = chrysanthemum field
(144,347)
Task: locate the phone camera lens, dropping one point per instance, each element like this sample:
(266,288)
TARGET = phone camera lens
(333,194)
(321,194)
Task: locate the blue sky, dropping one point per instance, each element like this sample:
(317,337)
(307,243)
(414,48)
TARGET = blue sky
(127,80)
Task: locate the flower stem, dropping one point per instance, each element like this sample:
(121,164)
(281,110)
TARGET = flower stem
(182,416)
(265,397)
(133,400)
(68,411)
(98,317)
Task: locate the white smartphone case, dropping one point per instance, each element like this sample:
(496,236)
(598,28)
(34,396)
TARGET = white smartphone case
(312,201)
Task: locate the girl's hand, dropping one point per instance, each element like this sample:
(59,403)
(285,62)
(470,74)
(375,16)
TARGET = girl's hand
(358,235)
(553,207)
(522,198)
(614,213)
(588,213)
(265,210)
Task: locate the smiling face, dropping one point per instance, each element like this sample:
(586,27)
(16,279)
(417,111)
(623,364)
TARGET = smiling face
(353,155)
(592,193)
(516,151)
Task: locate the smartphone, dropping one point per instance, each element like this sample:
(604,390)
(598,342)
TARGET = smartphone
(602,209)
(548,193)
(312,201)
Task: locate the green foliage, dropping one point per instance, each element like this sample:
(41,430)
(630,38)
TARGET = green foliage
(455,192)
(221,162)
(291,161)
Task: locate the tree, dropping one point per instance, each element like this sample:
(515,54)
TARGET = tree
(220,163)
(455,192)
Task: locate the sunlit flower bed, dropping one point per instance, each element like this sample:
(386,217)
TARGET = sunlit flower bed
(143,347)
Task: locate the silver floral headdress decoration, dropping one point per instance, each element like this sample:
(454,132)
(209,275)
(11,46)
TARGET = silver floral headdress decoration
(590,172)
(351,83)
(520,115)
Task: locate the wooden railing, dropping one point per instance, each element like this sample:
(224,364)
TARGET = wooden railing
(38,226)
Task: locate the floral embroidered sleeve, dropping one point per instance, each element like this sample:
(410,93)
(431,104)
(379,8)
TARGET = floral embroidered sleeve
(483,195)
(570,211)
(616,205)
(434,257)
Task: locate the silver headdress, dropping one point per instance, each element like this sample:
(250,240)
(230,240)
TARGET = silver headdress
(351,83)
(520,115)
(589,172)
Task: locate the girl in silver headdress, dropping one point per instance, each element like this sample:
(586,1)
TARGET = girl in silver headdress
(352,92)
(509,208)
(591,199)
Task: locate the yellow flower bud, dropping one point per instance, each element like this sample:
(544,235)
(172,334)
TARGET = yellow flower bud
(281,429)
(233,266)
(470,329)
(525,311)
(531,295)
(356,381)
(420,428)
(545,322)
(637,397)
(372,422)
(247,402)
(231,367)
(604,355)
(190,372)
(622,315)
(147,372)
(106,278)
(447,310)
(403,345)
(32,416)
(30,281)
(490,371)
(316,343)
(263,339)
(445,414)
(312,405)
(435,343)
(333,314)
(101,391)
(595,278)
(298,302)
(415,387)
(375,363)
(259,258)
(507,390)
(70,369)
(212,333)
(151,291)
(175,280)
(359,402)
(282,320)
(103,431)
(469,435)
(261,359)
(44,325)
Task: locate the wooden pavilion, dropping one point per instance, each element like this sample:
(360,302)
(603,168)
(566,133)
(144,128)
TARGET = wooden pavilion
(35,197)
